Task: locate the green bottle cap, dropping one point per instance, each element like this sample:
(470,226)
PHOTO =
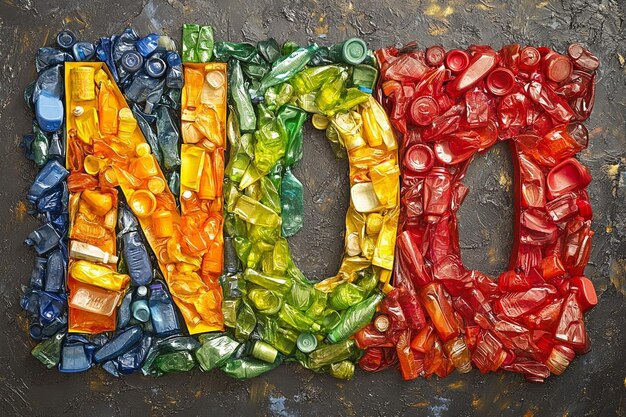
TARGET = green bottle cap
(354,51)
(306,342)
(264,351)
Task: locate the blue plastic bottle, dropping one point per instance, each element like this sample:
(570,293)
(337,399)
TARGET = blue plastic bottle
(48,177)
(43,239)
(49,112)
(174,77)
(135,252)
(55,273)
(145,46)
(119,344)
(162,313)
(83,51)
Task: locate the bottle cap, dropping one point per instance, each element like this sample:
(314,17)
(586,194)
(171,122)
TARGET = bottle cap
(575,50)
(215,79)
(66,39)
(435,55)
(141,311)
(558,68)
(142,202)
(156,185)
(264,351)
(142,291)
(354,51)
(419,158)
(381,323)
(500,81)
(320,121)
(307,342)
(423,110)
(155,67)
(457,60)
(78,111)
(529,58)
(132,61)
(35,331)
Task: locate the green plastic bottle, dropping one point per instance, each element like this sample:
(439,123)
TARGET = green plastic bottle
(175,362)
(190,40)
(355,318)
(48,352)
(286,67)
(296,319)
(246,321)
(241,99)
(248,368)
(254,212)
(292,203)
(215,350)
(281,285)
(312,79)
(327,354)
(331,92)
(205,44)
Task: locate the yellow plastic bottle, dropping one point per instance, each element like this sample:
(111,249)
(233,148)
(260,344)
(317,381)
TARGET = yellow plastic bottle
(98,275)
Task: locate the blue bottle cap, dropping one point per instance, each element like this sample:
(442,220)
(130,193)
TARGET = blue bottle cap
(365,89)
(155,67)
(66,39)
(131,61)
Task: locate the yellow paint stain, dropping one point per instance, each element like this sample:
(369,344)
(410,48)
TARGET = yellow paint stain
(438,12)
(621,59)
(20,211)
(258,392)
(321,30)
(476,402)
(617,275)
(609,228)
(612,171)
(542,5)
(421,404)
(456,385)
(505,180)
(437,30)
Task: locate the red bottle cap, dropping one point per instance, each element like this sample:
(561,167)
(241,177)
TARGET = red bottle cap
(501,81)
(435,55)
(569,175)
(457,60)
(419,158)
(529,58)
(575,50)
(558,68)
(423,110)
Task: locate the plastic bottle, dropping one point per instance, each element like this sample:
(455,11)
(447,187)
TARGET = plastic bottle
(135,251)
(139,307)
(119,344)
(355,318)
(162,313)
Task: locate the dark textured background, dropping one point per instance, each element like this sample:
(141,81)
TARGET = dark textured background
(593,385)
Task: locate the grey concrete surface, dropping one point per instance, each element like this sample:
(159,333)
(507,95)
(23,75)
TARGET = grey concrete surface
(594,385)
